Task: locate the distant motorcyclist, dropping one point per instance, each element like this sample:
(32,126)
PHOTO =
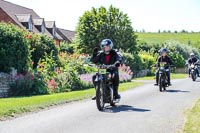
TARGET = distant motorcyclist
(163,58)
(108,56)
(192,60)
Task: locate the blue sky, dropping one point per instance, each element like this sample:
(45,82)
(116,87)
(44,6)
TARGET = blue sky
(150,15)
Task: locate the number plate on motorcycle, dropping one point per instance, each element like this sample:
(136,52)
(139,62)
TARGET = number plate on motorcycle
(102,71)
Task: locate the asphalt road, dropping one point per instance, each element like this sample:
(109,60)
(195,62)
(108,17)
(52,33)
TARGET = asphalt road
(141,110)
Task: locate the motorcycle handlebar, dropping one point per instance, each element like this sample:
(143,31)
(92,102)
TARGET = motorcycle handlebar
(155,65)
(102,66)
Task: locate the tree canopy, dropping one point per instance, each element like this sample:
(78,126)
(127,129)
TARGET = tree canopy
(99,24)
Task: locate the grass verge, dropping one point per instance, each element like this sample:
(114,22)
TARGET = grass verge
(9,107)
(192,124)
(173,76)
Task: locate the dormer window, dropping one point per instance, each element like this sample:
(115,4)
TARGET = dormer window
(51,27)
(26,21)
(39,24)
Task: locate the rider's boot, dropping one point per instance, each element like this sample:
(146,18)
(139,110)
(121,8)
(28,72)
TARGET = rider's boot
(116,94)
(156,81)
(169,83)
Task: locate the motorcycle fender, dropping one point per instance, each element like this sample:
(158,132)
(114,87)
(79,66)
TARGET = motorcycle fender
(160,72)
(98,78)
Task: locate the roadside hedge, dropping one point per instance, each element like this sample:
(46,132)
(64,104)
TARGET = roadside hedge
(41,45)
(14,48)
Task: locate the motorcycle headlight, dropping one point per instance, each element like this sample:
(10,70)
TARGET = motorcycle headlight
(161,68)
(109,76)
(192,66)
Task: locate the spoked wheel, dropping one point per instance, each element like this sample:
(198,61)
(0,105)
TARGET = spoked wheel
(164,87)
(160,84)
(193,76)
(99,97)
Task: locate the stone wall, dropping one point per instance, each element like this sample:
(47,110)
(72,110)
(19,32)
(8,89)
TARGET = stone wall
(181,70)
(142,73)
(5,80)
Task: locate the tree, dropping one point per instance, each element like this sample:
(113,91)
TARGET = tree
(100,23)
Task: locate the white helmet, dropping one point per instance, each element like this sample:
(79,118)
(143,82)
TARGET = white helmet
(192,54)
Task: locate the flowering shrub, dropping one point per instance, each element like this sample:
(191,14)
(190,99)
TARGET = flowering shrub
(52,84)
(23,84)
(125,75)
(40,46)
(147,59)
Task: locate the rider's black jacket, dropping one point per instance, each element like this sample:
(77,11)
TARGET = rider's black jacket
(192,60)
(100,58)
(166,59)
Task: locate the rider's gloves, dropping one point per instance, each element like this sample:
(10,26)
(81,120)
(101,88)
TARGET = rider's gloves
(117,64)
(95,51)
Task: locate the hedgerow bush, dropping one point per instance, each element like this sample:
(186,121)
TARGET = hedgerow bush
(177,51)
(147,58)
(178,48)
(14,48)
(41,45)
(132,60)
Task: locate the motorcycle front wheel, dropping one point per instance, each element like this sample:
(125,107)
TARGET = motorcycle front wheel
(160,83)
(100,96)
(193,76)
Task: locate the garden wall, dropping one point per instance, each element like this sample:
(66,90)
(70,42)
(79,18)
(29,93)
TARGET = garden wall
(5,81)
(4,84)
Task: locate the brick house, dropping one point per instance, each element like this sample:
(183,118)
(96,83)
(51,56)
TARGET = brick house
(28,19)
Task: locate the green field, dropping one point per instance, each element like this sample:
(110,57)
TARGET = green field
(157,38)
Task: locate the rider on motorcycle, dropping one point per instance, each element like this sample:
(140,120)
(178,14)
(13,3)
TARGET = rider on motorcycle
(167,61)
(108,56)
(192,60)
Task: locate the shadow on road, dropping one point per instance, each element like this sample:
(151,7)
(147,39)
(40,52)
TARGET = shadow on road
(176,91)
(123,108)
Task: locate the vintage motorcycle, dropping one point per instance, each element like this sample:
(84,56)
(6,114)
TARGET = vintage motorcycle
(163,78)
(193,70)
(104,87)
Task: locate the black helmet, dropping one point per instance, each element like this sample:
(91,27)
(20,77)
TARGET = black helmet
(106,42)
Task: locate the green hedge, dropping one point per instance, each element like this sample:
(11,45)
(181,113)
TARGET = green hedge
(14,48)
(41,45)
(177,51)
